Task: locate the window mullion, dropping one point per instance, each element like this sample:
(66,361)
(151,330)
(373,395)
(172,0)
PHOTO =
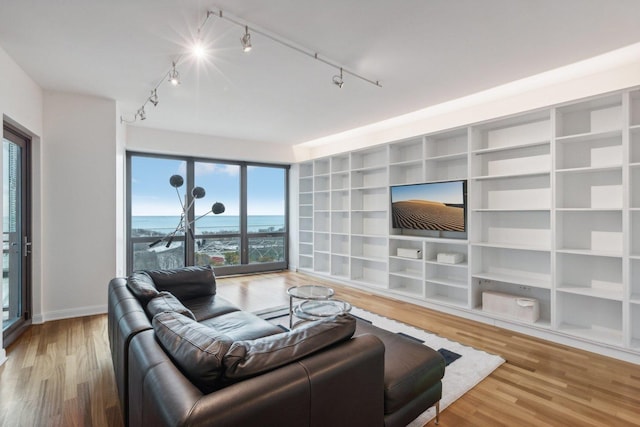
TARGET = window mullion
(189,252)
(244,239)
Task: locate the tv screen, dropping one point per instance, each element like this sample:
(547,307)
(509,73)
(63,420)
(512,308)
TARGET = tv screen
(438,206)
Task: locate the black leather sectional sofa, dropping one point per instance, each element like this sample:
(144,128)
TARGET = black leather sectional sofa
(183,356)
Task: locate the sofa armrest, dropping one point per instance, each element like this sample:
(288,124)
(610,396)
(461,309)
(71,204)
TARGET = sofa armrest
(126,318)
(292,395)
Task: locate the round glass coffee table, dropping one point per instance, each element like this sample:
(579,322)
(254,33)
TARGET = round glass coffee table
(307,293)
(316,310)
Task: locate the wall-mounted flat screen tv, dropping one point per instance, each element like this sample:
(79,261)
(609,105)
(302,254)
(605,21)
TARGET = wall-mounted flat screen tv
(437,206)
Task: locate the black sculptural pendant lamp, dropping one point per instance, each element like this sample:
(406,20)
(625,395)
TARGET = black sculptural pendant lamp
(176,181)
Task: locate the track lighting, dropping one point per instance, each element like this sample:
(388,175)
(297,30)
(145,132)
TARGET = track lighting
(338,80)
(141,114)
(174,76)
(246,40)
(246,45)
(154,97)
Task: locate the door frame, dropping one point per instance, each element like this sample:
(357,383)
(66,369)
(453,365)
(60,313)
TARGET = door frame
(12,134)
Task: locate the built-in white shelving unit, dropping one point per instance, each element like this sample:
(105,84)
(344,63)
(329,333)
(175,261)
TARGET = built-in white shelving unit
(553,213)
(590,218)
(510,196)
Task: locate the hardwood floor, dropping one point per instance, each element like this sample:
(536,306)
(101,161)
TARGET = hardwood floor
(60,373)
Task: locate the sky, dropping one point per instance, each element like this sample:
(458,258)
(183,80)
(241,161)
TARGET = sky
(445,192)
(151,193)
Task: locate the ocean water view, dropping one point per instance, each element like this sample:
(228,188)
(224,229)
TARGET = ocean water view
(211,247)
(210,224)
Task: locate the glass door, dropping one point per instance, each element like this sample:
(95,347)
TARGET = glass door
(15,235)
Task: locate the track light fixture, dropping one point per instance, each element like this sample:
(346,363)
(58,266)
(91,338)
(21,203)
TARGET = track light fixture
(338,80)
(174,76)
(246,40)
(154,97)
(141,114)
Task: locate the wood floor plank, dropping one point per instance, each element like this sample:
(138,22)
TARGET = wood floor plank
(60,373)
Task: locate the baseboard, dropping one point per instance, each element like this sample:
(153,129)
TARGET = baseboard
(70,313)
(3,356)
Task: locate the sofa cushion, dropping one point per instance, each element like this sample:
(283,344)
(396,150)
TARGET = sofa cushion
(185,282)
(242,325)
(251,357)
(142,287)
(209,306)
(165,301)
(196,349)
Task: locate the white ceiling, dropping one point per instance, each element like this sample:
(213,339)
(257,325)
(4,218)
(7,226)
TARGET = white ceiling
(424,52)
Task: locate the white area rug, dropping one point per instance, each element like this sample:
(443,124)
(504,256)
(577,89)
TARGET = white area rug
(459,377)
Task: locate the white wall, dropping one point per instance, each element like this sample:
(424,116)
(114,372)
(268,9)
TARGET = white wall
(21,105)
(168,142)
(120,205)
(79,194)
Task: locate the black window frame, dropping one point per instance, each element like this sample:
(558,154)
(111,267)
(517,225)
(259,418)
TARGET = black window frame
(189,243)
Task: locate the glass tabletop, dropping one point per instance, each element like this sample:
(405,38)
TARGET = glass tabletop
(313,310)
(311,292)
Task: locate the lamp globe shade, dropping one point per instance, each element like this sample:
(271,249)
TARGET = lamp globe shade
(176,181)
(217,208)
(198,192)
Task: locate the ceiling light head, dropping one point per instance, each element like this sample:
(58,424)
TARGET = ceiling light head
(174,76)
(141,114)
(338,80)
(154,97)
(246,40)
(198,49)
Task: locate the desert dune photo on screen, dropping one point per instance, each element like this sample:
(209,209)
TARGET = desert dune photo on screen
(431,206)
(427,215)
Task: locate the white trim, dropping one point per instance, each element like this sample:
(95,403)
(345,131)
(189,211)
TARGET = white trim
(3,356)
(70,313)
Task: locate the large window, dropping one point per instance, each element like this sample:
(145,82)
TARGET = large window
(169,227)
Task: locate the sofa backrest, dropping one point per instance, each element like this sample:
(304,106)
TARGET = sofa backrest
(211,360)
(186,282)
(196,349)
(252,357)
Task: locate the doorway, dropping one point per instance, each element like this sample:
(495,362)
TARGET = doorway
(16,240)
